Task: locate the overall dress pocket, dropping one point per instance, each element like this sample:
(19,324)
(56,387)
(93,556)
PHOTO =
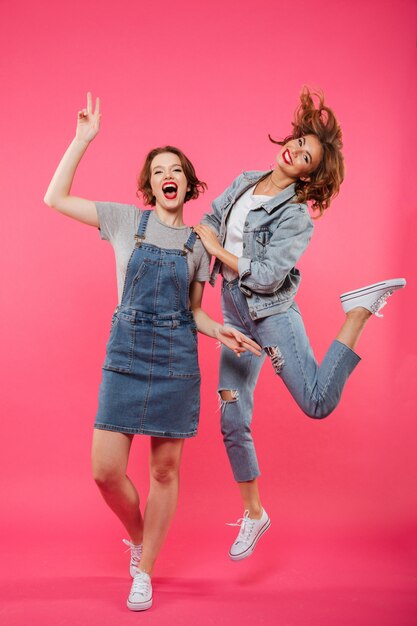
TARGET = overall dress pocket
(183,362)
(120,346)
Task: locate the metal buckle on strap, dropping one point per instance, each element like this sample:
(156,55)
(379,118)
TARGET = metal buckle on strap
(139,239)
(187,247)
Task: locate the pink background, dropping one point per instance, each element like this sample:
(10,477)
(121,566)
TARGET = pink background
(214,79)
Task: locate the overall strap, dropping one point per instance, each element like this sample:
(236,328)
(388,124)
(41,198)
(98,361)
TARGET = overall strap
(189,244)
(140,235)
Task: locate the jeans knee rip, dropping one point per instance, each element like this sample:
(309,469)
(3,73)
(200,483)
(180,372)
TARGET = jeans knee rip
(234,395)
(276,357)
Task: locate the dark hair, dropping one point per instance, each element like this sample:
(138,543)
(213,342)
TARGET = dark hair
(324,182)
(144,178)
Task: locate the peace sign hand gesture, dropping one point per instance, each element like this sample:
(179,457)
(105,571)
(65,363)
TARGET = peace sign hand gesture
(88,123)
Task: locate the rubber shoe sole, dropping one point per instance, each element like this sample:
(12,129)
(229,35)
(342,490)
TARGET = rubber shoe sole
(249,550)
(363,296)
(141,606)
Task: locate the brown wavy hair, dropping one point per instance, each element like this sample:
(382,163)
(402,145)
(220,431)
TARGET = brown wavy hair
(324,182)
(144,178)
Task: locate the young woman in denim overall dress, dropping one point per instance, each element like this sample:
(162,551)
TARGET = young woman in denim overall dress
(151,378)
(258,229)
(153,340)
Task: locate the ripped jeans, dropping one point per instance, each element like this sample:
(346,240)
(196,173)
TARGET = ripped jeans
(316,389)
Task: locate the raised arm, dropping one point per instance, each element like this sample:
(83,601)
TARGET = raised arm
(58,195)
(230,337)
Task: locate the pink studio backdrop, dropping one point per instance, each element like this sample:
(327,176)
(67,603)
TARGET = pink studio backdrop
(213,78)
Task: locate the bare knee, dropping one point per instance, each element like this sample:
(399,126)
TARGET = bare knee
(106,476)
(166,472)
(229,395)
(109,457)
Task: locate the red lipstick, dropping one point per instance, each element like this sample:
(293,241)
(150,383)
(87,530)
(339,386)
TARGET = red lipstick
(170,189)
(287,157)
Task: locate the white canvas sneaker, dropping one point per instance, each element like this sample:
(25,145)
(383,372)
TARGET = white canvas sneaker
(135,555)
(251,530)
(140,596)
(372,297)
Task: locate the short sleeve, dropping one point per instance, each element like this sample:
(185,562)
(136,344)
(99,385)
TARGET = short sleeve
(202,273)
(114,217)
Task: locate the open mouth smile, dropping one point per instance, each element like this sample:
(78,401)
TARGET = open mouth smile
(287,157)
(170,190)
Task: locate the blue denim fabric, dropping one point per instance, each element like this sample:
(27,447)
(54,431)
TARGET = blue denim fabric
(316,389)
(274,238)
(151,376)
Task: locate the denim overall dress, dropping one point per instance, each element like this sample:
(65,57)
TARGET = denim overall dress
(151,377)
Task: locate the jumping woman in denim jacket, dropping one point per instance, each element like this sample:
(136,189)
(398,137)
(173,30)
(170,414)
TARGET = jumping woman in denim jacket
(151,378)
(258,229)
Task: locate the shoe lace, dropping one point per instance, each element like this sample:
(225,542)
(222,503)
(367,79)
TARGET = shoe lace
(380,303)
(141,584)
(246,527)
(135,551)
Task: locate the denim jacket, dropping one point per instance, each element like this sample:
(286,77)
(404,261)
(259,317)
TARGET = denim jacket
(275,235)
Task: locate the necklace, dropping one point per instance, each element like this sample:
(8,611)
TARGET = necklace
(275,185)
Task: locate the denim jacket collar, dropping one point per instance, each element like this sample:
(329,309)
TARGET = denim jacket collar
(286,194)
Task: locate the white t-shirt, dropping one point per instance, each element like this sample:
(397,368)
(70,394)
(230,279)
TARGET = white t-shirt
(235,223)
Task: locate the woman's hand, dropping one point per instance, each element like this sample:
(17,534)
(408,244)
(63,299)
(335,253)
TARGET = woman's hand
(58,194)
(213,247)
(208,238)
(88,123)
(228,336)
(237,341)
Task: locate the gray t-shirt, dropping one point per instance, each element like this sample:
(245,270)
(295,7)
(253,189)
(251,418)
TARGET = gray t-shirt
(119,224)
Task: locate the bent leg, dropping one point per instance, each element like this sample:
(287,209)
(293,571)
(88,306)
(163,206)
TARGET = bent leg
(316,389)
(110,454)
(165,460)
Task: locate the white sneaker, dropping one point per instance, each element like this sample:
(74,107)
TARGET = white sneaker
(135,556)
(251,530)
(140,596)
(372,297)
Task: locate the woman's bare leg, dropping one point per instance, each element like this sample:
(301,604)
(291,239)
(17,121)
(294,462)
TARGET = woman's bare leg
(110,455)
(353,326)
(165,462)
(249,492)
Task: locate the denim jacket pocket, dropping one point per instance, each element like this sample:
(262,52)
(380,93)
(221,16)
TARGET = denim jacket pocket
(261,239)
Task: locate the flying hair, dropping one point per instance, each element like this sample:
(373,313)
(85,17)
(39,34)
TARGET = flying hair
(317,119)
